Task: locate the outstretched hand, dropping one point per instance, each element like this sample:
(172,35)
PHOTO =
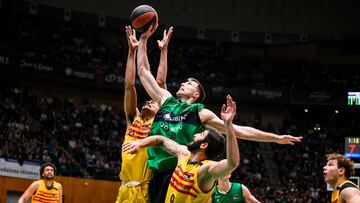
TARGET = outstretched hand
(163,44)
(288,139)
(228,111)
(133,43)
(150,31)
(131,147)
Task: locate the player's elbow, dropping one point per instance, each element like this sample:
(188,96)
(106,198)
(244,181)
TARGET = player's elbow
(160,82)
(141,70)
(233,164)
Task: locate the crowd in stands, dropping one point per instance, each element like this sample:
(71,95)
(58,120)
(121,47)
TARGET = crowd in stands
(81,140)
(102,51)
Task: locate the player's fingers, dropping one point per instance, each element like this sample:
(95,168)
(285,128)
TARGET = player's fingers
(223,108)
(228,100)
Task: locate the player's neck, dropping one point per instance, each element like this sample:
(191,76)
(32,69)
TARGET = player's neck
(338,182)
(48,183)
(198,156)
(224,186)
(188,100)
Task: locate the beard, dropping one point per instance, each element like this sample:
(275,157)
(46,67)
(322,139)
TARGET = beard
(147,111)
(194,146)
(50,177)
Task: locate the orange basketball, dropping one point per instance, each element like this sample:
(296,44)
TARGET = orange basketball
(143,17)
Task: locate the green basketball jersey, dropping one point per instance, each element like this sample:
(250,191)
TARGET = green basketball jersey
(178,121)
(234,195)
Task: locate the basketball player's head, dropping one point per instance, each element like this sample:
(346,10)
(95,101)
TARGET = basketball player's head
(150,108)
(337,167)
(209,141)
(191,89)
(47,171)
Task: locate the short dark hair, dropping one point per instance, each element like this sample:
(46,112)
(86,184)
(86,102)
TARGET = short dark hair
(201,90)
(343,162)
(42,168)
(216,145)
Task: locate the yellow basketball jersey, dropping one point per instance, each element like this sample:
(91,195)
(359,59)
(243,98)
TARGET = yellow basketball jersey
(45,195)
(134,166)
(335,195)
(184,186)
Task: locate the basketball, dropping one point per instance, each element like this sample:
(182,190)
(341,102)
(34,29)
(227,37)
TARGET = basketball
(143,17)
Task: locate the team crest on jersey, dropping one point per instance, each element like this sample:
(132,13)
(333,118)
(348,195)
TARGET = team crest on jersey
(236,197)
(131,133)
(145,127)
(187,177)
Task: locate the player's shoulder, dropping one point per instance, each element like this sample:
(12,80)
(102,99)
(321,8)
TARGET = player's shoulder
(35,184)
(206,164)
(350,193)
(347,184)
(57,185)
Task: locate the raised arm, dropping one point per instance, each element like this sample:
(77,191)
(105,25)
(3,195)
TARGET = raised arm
(130,97)
(209,119)
(215,170)
(163,64)
(147,79)
(171,146)
(29,192)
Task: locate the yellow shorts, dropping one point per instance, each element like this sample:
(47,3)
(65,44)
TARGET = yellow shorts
(137,194)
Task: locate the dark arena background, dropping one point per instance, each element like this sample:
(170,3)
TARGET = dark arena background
(293,67)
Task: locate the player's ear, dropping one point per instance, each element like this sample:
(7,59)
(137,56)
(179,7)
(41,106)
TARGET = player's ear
(204,145)
(196,95)
(342,171)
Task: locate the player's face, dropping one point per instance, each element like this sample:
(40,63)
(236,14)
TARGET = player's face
(48,173)
(198,140)
(201,136)
(188,89)
(331,171)
(151,106)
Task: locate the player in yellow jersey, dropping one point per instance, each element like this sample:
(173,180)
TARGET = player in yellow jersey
(194,177)
(45,190)
(135,173)
(337,172)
